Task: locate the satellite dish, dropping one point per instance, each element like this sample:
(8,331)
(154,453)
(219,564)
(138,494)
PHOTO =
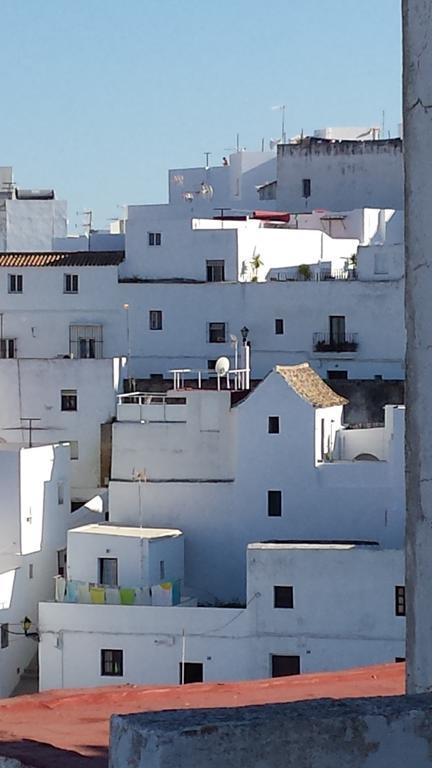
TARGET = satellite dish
(222,366)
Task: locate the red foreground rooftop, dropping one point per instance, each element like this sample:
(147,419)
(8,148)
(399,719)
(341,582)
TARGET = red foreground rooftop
(71,727)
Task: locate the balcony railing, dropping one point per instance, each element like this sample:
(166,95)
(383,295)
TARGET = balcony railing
(335,342)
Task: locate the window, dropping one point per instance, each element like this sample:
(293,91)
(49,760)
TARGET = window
(155,320)
(273,425)
(7,348)
(283,597)
(282,666)
(108,571)
(215,271)
(111,662)
(216,333)
(4,635)
(74,453)
(70,283)
(30,571)
(60,493)
(337,375)
(190,672)
(15,283)
(400,607)
(69,400)
(279,326)
(85,341)
(399,659)
(306,187)
(274,503)
(211,364)
(154,238)
(161,570)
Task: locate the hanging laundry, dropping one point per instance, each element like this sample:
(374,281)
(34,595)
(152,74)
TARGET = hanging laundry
(162,594)
(97,595)
(127,596)
(112,595)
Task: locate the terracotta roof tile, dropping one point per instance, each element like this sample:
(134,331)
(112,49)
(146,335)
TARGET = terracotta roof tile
(62,259)
(308,385)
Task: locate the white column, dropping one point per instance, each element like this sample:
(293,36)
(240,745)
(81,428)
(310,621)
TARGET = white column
(417,86)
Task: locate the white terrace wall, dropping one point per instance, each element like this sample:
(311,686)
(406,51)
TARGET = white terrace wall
(344,175)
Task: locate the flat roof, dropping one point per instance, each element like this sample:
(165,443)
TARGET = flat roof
(310,544)
(68,727)
(133,531)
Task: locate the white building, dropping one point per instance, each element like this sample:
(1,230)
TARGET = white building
(29,218)
(62,304)
(68,400)
(277,465)
(311,607)
(34,514)
(337,175)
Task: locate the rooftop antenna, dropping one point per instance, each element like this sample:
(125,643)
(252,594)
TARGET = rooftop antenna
(207,155)
(281,108)
(30,428)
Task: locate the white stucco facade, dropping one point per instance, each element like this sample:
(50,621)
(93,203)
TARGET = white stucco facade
(328,485)
(34,514)
(34,387)
(333,623)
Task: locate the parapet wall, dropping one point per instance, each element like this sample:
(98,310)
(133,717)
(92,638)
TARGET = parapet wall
(350,733)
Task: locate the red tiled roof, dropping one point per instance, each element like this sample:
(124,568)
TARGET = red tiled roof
(62,259)
(65,728)
(308,385)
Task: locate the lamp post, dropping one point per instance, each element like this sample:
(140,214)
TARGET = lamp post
(234,342)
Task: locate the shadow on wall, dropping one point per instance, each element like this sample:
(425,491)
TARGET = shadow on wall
(39,754)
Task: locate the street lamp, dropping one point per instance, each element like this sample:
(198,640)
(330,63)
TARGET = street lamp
(246,354)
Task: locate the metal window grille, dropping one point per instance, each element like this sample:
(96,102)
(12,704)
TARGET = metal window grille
(111,662)
(155,320)
(86,341)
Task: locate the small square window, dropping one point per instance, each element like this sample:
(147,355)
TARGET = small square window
(216,333)
(154,238)
(274,503)
(69,400)
(7,348)
(211,364)
(4,635)
(279,326)
(191,672)
(70,283)
(273,425)
(111,662)
(215,271)
(400,606)
(155,320)
(331,375)
(283,597)
(15,283)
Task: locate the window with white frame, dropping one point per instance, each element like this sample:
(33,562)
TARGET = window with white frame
(15,283)
(154,238)
(155,319)
(217,333)
(70,283)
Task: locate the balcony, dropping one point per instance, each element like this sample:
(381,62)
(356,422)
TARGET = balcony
(335,342)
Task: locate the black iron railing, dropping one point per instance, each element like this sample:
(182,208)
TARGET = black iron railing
(335,342)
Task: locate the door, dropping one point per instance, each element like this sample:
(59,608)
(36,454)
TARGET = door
(285,665)
(108,571)
(337,329)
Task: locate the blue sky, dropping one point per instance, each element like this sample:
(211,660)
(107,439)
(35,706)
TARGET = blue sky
(100,97)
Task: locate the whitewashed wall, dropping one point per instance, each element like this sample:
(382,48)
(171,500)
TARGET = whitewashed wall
(26,577)
(343,616)
(362,500)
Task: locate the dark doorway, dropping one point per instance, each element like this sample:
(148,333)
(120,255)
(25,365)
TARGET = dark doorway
(193,672)
(285,665)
